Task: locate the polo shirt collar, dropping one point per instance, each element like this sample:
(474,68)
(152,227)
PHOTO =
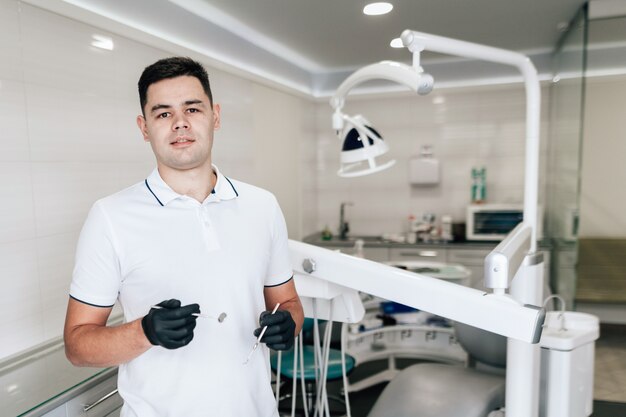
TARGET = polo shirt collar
(163,194)
(224,188)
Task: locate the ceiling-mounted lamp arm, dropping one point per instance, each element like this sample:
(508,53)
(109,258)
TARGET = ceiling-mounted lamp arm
(385,70)
(418,41)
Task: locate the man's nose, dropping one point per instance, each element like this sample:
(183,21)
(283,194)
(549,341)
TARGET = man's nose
(181,122)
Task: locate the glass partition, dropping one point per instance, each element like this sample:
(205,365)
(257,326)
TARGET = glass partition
(564,154)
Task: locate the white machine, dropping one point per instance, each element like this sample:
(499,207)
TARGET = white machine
(334,279)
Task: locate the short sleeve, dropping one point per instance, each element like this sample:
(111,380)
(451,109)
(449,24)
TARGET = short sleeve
(96,277)
(279,268)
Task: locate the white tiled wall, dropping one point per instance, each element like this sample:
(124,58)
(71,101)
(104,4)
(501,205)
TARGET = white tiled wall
(465,127)
(70,137)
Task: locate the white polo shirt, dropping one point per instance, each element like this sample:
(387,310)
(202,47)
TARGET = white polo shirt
(147,244)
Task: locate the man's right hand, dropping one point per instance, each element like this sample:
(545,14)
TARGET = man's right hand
(170,326)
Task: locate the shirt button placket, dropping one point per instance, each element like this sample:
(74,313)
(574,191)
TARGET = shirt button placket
(204,214)
(209,233)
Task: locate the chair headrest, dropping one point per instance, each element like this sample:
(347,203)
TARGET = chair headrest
(484,346)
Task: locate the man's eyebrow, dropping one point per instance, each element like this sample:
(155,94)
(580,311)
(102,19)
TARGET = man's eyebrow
(157,107)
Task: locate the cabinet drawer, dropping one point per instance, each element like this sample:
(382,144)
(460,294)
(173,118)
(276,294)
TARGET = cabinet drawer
(376,254)
(417,254)
(99,400)
(373,254)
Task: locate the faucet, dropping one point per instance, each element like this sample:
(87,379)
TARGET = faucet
(344,226)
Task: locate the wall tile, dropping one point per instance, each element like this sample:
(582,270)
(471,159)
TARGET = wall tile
(64,193)
(26,331)
(72,126)
(55,255)
(17,215)
(10,52)
(20,281)
(57,53)
(14,139)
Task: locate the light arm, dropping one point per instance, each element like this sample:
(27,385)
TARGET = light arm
(436,296)
(403,74)
(418,41)
(503,262)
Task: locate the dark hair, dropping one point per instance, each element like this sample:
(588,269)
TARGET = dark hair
(171,68)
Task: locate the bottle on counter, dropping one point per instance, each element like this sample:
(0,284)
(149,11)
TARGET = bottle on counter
(426,231)
(411,234)
(479,185)
(358,248)
(446,228)
(326,233)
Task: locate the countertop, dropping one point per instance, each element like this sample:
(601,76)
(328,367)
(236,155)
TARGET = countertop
(377,242)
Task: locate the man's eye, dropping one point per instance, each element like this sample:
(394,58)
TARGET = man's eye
(192,110)
(163,115)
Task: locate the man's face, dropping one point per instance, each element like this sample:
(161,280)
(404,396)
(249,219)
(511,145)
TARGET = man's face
(179,123)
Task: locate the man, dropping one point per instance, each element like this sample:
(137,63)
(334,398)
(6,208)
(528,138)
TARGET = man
(185,239)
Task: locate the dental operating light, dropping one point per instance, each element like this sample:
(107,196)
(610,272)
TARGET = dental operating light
(361,145)
(359,158)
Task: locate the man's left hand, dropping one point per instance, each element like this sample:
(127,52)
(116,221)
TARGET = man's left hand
(280,329)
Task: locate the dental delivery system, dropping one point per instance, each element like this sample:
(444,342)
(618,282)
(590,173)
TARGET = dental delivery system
(334,278)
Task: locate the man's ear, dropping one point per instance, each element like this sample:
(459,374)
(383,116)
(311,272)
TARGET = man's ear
(141,123)
(216,116)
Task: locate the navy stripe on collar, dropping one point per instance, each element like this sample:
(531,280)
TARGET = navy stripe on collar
(150,189)
(231,184)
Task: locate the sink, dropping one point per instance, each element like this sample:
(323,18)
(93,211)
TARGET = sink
(354,238)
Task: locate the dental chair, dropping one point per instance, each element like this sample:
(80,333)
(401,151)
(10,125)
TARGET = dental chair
(442,390)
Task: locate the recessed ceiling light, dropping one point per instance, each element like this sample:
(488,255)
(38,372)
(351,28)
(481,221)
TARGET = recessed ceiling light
(396,43)
(375,9)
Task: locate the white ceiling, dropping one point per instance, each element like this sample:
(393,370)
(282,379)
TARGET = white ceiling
(311,45)
(336,34)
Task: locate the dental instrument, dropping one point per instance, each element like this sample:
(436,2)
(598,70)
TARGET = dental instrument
(258,340)
(219,318)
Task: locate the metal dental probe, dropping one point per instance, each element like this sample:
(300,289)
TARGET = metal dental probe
(258,340)
(220,319)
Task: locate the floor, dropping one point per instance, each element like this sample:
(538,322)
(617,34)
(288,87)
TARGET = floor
(610,366)
(609,383)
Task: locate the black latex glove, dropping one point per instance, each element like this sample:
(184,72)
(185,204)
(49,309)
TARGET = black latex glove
(171,326)
(280,329)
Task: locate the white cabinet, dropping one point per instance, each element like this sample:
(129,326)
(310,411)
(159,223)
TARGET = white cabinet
(378,254)
(96,399)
